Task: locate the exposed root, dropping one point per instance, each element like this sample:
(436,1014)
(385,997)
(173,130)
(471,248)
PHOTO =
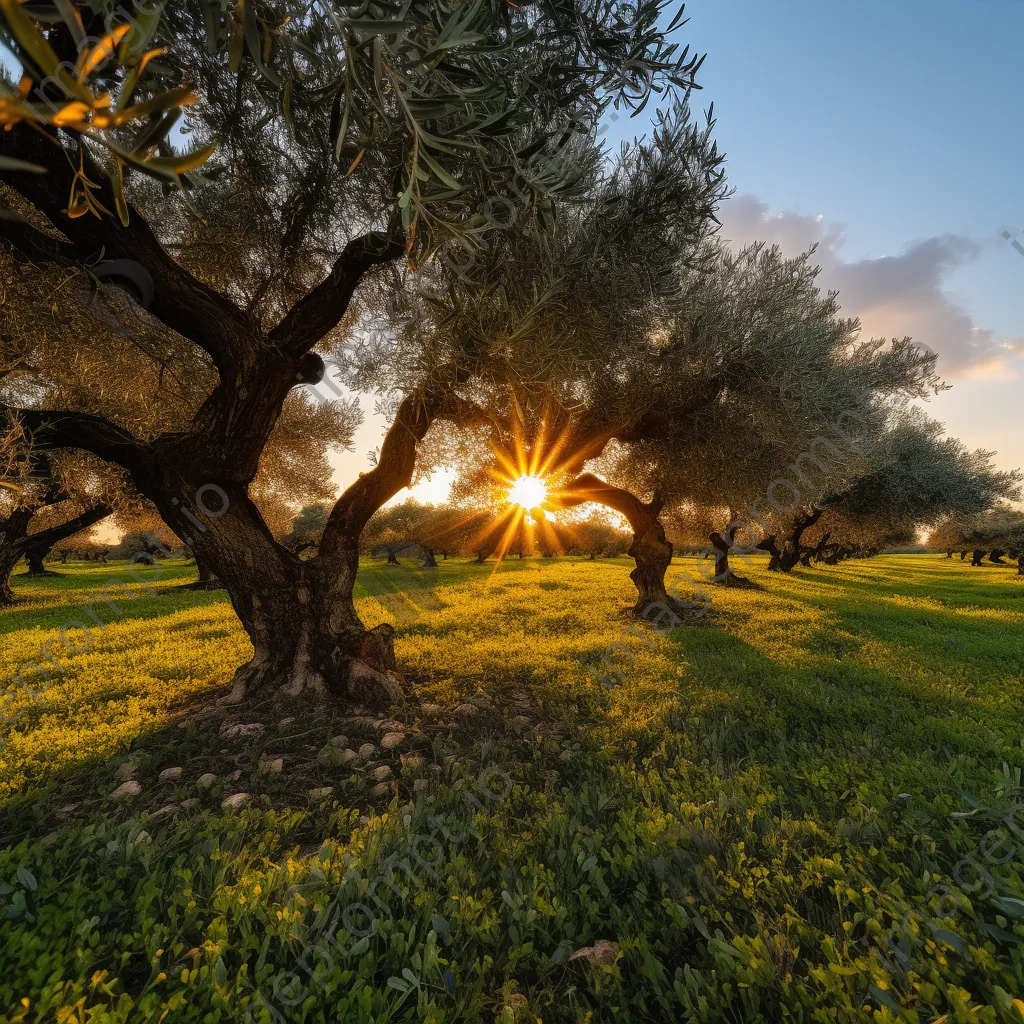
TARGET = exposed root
(374,689)
(659,613)
(371,678)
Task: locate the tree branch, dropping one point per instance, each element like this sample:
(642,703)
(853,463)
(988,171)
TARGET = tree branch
(393,471)
(322,308)
(45,539)
(592,488)
(48,429)
(182,302)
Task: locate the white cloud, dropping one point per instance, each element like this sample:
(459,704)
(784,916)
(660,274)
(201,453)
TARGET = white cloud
(893,296)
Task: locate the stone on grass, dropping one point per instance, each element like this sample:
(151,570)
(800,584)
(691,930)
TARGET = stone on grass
(170,775)
(602,952)
(164,811)
(235,802)
(381,772)
(391,740)
(466,711)
(367,750)
(339,741)
(322,793)
(206,780)
(234,776)
(348,755)
(190,804)
(430,709)
(381,789)
(126,789)
(239,731)
(273,766)
(127,770)
(388,725)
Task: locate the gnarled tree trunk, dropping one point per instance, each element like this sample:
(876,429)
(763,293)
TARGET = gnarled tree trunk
(9,558)
(34,557)
(963,555)
(977,555)
(996,556)
(650,549)
(723,544)
(791,550)
(298,613)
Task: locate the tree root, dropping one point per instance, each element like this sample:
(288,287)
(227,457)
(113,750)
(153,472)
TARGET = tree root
(371,679)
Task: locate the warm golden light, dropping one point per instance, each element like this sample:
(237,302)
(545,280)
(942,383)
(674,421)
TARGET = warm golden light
(528,492)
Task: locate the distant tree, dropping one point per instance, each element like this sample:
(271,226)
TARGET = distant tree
(996,532)
(598,537)
(701,393)
(57,496)
(919,477)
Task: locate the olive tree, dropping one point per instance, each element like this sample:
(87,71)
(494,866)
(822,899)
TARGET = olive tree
(59,497)
(916,477)
(333,146)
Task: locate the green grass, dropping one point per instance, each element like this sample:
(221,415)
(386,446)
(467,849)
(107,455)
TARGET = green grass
(802,809)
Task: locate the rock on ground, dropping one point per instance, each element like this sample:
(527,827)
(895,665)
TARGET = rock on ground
(126,789)
(239,731)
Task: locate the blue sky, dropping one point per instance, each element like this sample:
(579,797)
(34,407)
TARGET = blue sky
(896,124)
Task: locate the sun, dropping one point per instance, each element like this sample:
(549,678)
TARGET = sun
(528,492)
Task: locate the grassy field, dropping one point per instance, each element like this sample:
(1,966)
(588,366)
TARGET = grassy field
(804,809)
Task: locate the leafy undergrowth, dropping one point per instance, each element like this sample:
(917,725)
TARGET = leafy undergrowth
(807,810)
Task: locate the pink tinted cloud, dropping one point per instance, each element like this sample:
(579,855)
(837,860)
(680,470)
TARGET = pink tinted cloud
(893,296)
